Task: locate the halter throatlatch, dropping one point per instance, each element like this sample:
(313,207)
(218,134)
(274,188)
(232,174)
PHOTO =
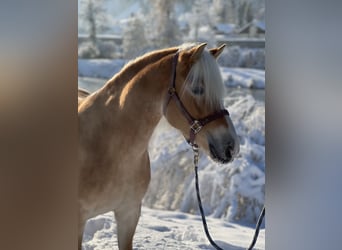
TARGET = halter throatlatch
(195,124)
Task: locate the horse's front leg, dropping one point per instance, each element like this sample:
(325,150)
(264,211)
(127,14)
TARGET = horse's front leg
(127,215)
(127,218)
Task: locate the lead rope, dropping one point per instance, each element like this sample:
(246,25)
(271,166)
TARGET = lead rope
(205,226)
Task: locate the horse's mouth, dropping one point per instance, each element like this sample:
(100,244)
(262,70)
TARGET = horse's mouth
(217,157)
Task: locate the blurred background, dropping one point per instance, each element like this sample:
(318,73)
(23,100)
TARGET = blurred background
(126,29)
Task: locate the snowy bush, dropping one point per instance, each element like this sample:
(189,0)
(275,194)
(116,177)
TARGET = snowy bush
(101,49)
(253,58)
(230,57)
(134,40)
(107,49)
(243,77)
(244,58)
(88,50)
(234,191)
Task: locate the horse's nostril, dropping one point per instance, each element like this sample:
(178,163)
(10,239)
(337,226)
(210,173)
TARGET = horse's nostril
(228,153)
(230,146)
(229,149)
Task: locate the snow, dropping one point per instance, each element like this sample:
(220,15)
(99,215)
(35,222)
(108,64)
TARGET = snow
(260,24)
(235,191)
(243,77)
(225,28)
(99,68)
(232,194)
(170,230)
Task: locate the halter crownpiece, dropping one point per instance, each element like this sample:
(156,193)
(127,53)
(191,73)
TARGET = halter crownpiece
(195,124)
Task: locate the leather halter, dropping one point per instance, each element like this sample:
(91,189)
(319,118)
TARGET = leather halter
(195,124)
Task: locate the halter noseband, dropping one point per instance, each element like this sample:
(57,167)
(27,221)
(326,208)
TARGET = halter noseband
(195,124)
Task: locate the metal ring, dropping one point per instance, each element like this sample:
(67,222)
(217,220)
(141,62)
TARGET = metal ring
(196,126)
(171,91)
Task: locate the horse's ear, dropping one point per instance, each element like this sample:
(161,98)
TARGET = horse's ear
(217,51)
(196,52)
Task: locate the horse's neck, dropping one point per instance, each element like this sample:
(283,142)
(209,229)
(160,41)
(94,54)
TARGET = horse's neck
(133,67)
(137,106)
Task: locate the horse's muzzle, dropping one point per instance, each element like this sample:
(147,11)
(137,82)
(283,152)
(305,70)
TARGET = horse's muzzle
(220,156)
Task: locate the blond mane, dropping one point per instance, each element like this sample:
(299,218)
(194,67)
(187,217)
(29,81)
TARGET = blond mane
(206,72)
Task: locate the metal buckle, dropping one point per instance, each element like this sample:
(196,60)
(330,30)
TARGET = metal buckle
(171,91)
(196,126)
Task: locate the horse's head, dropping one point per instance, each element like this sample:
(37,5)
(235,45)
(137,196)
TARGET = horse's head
(195,103)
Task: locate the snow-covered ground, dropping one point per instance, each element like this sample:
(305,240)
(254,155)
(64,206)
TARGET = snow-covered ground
(170,230)
(232,194)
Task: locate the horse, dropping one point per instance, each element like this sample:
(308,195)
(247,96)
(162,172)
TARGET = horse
(184,85)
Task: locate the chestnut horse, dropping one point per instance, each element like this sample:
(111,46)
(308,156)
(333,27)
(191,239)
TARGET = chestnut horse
(117,121)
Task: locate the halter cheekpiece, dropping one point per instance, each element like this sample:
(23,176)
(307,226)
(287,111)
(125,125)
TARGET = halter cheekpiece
(195,124)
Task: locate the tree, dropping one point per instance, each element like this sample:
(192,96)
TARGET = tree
(238,12)
(134,41)
(245,13)
(202,22)
(224,11)
(247,10)
(95,18)
(162,24)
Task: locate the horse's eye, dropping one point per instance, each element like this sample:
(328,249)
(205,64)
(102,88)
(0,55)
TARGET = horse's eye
(198,90)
